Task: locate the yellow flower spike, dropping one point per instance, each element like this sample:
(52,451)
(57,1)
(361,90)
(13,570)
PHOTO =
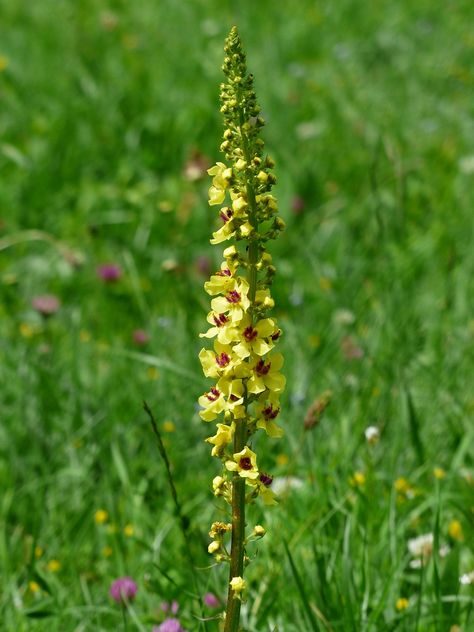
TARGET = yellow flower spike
(247,378)
(244,463)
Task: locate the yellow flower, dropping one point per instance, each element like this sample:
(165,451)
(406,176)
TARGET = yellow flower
(152,373)
(455,530)
(34,587)
(259,531)
(222,281)
(101,516)
(267,411)
(402,603)
(38,552)
(168,426)
(358,479)
(26,330)
(244,463)
(220,182)
(265,375)
(107,551)
(238,585)
(128,530)
(218,363)
(222,438)
(213,547)
(3,63)
(212,403)
(53,566)
(255,339)
(84,335)
(439,473)
(222,328)
(235,303)
(282,459)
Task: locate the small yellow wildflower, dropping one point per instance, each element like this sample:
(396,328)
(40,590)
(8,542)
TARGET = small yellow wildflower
(84,335)
(402,604)
(222,438)
(152,373)
(439,473)
(402,486)
(26,330)
(314,341)
(107,551)
(455,530)
(259,531)
(358,479)
(282,459)
(213,547)
(128,530)
(53,566)
(325,284)
(38,552)
(168,426)
(101,516)
(3,63)
(34,587)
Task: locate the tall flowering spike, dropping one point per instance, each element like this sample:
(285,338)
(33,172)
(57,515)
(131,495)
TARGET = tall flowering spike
(244,398)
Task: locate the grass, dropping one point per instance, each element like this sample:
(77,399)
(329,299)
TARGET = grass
(369,114)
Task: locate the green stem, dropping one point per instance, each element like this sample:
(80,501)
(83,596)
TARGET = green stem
(232,616)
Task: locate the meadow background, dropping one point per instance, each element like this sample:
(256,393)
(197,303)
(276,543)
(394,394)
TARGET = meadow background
(109,116)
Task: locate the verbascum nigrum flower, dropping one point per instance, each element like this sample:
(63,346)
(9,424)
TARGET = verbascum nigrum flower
(242,362)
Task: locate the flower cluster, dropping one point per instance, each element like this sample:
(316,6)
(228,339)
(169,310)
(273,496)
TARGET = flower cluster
(242,362)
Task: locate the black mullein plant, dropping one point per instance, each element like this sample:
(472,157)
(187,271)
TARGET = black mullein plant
(243,362)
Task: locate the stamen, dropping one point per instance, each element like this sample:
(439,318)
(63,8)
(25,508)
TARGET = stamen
(213,394)
(266,479)
(261,368)
(233,297)
(250,334)
(270,413)
(220,320)
(223,359)
(245,463)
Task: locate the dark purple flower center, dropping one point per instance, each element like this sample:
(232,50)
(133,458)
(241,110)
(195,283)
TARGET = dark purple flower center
(266,479)
(233,296)
(233,398)
(261,368)
(245,463)
(213,394)
(270,413)
(250,334)
(222,359)
(220,320)
(226,215)
(276,335)
(225,272)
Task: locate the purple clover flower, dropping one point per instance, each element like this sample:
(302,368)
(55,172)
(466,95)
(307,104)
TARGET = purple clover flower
(109,272)
(172,607)
(140,337)
(211,601)
(123,589)
(46,305)
(169,625)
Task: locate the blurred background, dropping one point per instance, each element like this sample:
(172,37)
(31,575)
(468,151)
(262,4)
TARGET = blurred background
(109,120)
